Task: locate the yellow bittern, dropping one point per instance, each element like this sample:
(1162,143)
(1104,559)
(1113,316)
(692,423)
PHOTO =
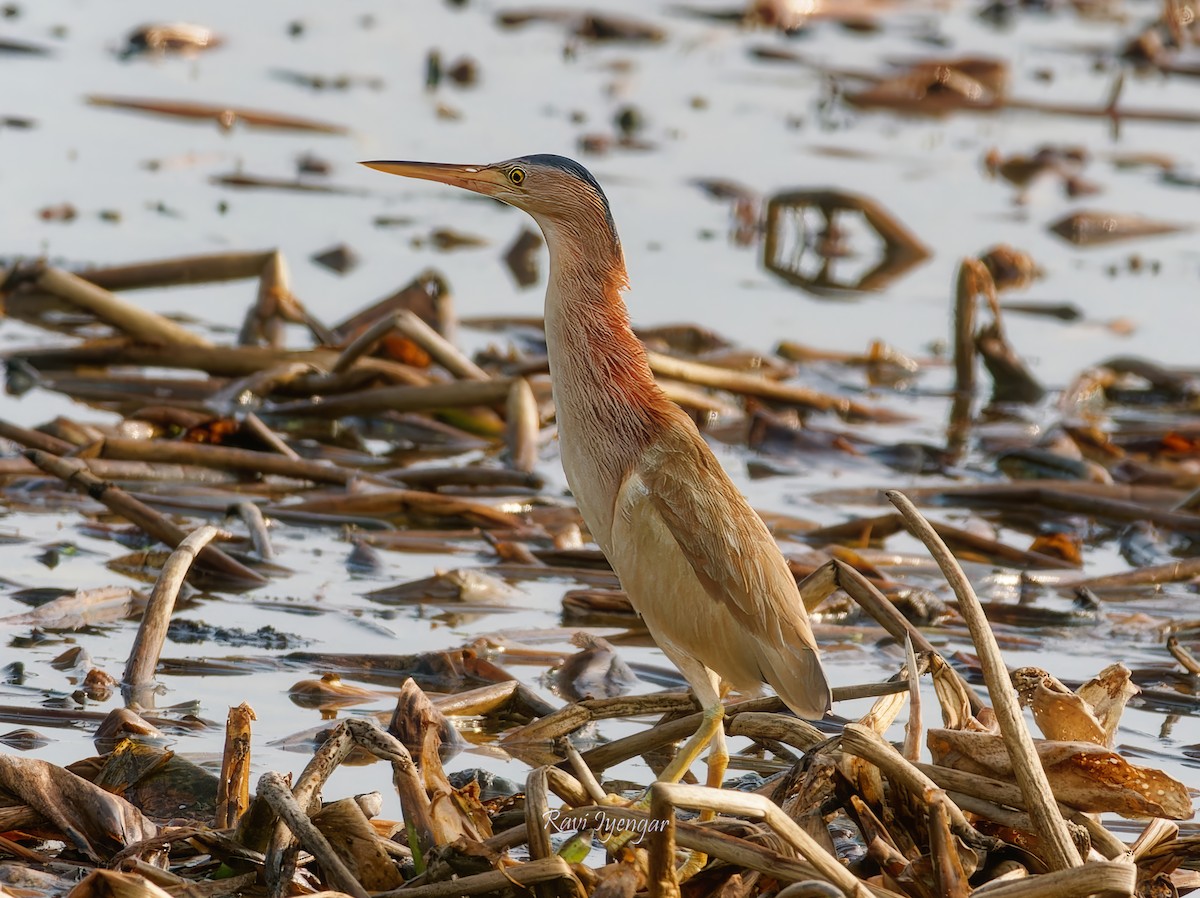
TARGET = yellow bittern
(697,562)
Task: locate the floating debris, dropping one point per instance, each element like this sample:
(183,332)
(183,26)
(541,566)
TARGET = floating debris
(176,37)
(1096,228)
(226,117)
(340,258)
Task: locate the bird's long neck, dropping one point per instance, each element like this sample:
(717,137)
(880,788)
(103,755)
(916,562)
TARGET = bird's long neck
(609,408)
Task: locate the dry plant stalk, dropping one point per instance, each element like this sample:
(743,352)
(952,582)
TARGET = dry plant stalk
(233,787)
(1030,776)
(147,645)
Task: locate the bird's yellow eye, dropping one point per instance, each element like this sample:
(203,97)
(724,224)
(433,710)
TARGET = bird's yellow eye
(517,176)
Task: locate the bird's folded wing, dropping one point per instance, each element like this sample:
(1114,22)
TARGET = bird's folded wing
(726,543)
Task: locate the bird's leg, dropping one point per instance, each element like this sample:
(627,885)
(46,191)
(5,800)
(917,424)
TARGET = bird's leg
(712,729)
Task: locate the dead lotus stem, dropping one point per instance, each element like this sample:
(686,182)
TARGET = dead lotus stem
(34,439)
(130,319)
(973,278)
(1154,575)
(752,385)
(524,425)
(1109,879)
(233,787)
(912,727)
(547,870)
(367,734)
(76,474)
(731,849)
(537,806)
(183,270)
(1035,786)
(586,778)
(274,789)
(869,745)
(997,793)
(744,804)
(365,343)
(836,574)
(147,645)
(439,348)
(403,399)
(778,727)
(252,516)
(254,425)
(226,458)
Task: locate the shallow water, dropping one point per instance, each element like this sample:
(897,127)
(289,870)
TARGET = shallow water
(765,125)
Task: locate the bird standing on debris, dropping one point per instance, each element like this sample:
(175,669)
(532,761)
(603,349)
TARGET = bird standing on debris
(696,561)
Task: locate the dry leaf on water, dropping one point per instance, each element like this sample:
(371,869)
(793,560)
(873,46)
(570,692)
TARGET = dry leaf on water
(97,823)
(1083,775)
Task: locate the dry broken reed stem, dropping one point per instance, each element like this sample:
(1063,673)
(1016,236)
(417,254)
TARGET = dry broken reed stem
(1170,572)
(836,574)
(280,859)
(537,807)
(132,320)
(752,385)
(218,361)
(757,807)
(76,474)
(184,270)
(256,525)
(402,399)
(254,425)
(1060,850)
(233,787)
(1000,793)
(523,426)
(704,839)
(1108,879)
(365,343)
(273,788)
(973,279)
(148,643)
(439,348)
(547,870)
(34,439)
(226,458)
(869,745)
(776,727)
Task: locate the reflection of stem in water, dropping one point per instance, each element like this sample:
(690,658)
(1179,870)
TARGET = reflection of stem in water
(792,234)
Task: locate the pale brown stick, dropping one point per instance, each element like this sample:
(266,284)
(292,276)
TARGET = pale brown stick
(403,399)
(1061,853)
(274,789)
(757,807)
(549,869)
(998,792)
(226,458)
(138,323)
(537,806)
(256,524)
(1110,879)
(364,344)
(869,745)
(233,788)
(147,645)
(523,426)
(439,348)
(752,385)
(661,879)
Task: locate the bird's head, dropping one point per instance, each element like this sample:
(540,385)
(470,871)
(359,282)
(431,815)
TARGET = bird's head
(560,194)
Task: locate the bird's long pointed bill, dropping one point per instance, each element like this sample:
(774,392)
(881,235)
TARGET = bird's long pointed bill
(471,177)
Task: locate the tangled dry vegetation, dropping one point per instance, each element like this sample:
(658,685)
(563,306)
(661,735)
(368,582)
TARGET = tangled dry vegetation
(273,433)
